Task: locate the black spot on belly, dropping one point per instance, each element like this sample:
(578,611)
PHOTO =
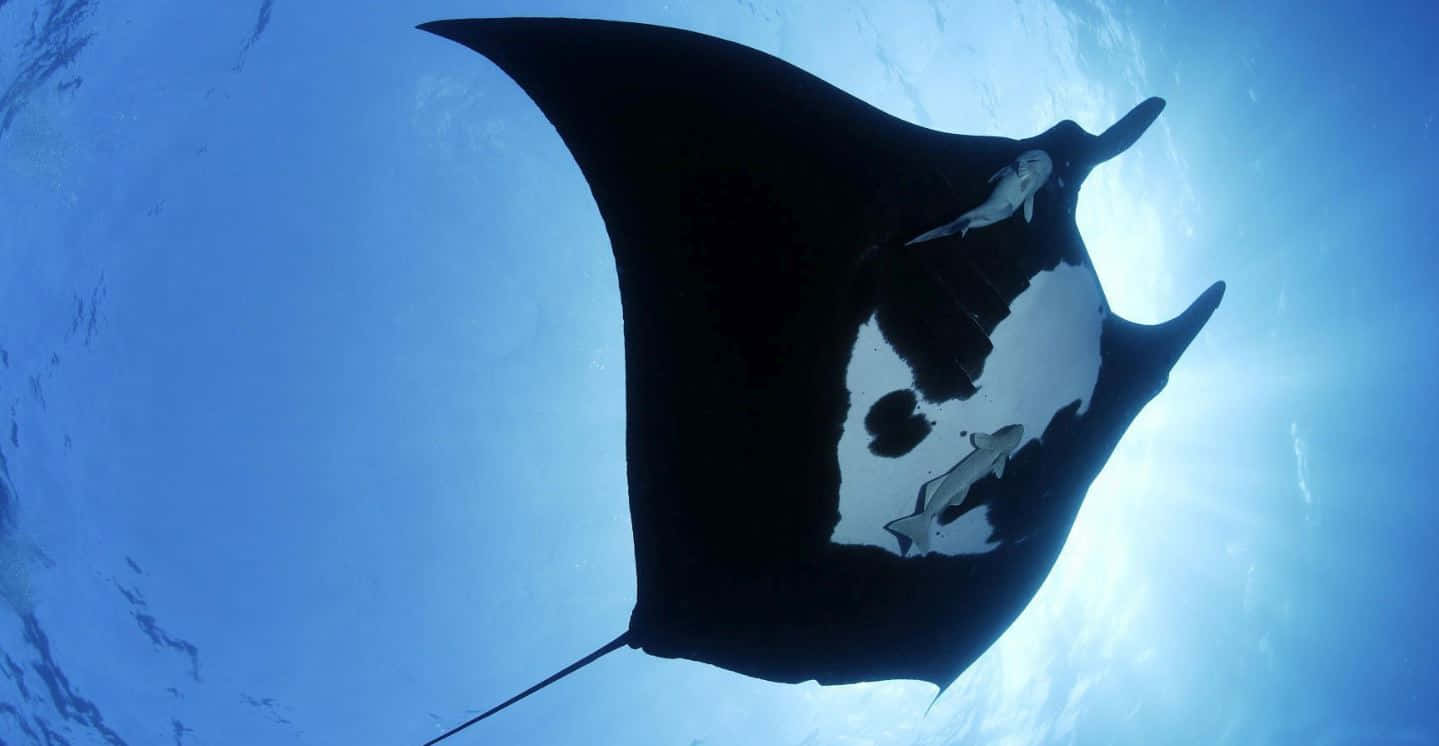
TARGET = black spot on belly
(896,427)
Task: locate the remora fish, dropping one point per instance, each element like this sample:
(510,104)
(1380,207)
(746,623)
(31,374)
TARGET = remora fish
(989,456)
(1017,183)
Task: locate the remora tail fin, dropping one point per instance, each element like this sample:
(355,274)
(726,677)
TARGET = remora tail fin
(958,225)
(914,528)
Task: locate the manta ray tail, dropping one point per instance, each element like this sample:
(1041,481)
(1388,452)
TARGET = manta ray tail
(608,647)
(912,530)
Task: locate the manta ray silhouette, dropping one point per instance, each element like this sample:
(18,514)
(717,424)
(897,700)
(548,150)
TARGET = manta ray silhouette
(758,218)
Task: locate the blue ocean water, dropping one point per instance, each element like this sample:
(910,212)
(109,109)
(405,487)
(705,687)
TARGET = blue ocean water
(312,373)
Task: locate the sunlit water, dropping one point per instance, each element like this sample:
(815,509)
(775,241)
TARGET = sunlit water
(311,359)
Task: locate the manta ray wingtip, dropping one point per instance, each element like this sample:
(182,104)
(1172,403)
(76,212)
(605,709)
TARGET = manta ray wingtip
(1181,330)
(1150,351)
(1203,307)
(1127,131)
(434,27)
(466,31)
(1188,324)
(1214,293)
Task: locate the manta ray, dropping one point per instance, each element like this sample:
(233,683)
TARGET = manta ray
(794,372)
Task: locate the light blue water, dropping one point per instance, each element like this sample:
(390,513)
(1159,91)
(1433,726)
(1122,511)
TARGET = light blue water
(312,381)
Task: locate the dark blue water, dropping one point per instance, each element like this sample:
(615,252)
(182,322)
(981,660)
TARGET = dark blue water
(311,369)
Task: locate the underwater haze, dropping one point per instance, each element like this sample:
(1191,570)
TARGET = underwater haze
(312,366)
